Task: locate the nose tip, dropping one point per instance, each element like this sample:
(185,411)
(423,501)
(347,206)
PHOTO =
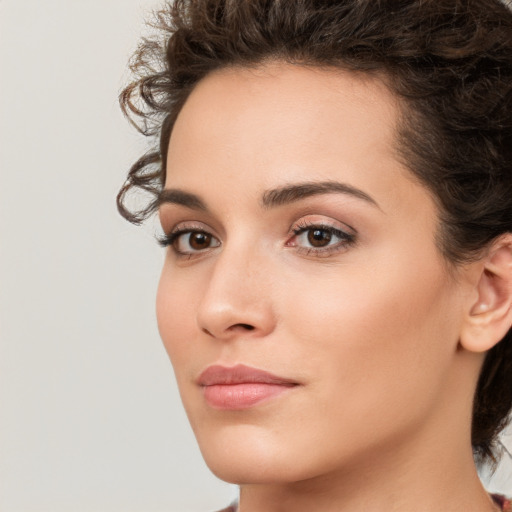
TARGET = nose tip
(229,309)
(230,322)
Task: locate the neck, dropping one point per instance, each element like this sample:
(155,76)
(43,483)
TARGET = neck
(421,483)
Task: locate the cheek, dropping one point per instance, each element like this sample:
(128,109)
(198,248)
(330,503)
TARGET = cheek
(370,332)
(176,306)
(376,349)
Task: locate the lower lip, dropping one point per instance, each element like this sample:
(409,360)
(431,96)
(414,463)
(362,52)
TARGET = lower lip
(242,396)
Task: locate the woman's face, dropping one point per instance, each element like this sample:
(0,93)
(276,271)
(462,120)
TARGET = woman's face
(303,248)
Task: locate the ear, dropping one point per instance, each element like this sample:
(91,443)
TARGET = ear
(489,315)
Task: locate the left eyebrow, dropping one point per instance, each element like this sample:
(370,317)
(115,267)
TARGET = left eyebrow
(296,192)
(176,196)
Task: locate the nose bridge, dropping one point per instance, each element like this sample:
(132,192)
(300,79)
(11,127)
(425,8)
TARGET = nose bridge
(237,297)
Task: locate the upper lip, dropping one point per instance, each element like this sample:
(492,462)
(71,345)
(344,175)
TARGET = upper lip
(239,374)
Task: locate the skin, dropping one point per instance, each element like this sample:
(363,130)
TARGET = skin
(369,329)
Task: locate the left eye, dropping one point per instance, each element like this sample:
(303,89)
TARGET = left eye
(317,237)
(190,241)
(195,241)
(320,237)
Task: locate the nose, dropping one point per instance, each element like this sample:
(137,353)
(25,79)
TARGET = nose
(237,301)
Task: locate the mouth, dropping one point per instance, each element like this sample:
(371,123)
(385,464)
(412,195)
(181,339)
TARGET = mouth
(241,387)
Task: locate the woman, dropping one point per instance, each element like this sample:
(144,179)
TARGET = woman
(334,184)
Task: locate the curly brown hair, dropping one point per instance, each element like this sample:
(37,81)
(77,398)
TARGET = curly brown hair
(448,61)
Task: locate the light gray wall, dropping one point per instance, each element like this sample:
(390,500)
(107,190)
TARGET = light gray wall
(90,419)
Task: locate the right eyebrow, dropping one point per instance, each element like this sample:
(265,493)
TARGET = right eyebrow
(176,196)
(298,191)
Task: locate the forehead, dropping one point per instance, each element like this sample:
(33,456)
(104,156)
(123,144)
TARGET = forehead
(257,128)
(265,100)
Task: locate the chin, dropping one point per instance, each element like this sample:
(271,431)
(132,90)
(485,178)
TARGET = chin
(242,469)
(249,454)
(245,454)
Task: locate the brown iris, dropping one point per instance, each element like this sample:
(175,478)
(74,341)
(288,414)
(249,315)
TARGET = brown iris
(199,240)
(319,237)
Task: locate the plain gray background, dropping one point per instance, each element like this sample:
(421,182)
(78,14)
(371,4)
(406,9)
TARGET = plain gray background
(90,418)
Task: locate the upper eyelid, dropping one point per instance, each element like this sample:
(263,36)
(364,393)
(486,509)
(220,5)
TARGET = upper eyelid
(189,225)
(326,222)
(177,228)
(341,233)
(323,227)
(305,221)
(185,229)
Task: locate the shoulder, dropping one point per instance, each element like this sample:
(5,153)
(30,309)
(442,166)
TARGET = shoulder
(231,508)
(504,503)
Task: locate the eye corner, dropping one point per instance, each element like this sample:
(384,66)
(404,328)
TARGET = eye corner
(164,239)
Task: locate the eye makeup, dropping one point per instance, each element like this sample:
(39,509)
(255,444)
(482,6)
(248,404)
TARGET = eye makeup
(310,237)
(189,239)
(319,238)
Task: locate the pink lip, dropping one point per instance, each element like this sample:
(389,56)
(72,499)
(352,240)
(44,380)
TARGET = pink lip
(240,386)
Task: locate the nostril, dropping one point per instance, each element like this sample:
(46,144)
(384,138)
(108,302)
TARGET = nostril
(232,328)
(245,326)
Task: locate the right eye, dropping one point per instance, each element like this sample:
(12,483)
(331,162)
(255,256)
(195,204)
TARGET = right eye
(188,241)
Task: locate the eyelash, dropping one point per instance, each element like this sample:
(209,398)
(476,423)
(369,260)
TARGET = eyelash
(345,239)
(169,240)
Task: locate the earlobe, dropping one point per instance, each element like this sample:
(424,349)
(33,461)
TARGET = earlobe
(489,316)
